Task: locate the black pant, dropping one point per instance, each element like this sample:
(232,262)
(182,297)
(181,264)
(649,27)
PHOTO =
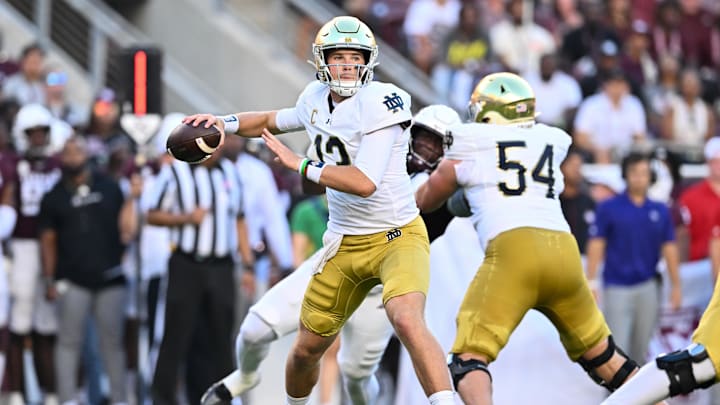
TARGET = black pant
(200,299)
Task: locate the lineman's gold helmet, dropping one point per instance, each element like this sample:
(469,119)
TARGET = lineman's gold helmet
(345,33)
(502,98)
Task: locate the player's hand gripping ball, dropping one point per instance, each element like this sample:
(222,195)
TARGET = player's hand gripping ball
(193,144)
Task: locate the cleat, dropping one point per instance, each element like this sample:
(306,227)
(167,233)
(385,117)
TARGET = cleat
(216,394)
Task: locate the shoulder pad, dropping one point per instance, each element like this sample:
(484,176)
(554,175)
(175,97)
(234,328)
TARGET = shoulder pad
(463,141)
(309,92)
(382,105)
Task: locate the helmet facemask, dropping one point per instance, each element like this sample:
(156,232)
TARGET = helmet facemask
(38,141)
(344,33)
(425,149)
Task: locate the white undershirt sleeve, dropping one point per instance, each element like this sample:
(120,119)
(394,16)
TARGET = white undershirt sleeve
(287,120)
(374,152)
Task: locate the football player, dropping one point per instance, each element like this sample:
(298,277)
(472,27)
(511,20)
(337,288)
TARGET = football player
(32,316)
(509,169)
(375,234)
(366,333)
(698,365)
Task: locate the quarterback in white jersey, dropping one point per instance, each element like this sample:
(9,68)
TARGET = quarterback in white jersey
(375,234)
(367,332)
(509,169)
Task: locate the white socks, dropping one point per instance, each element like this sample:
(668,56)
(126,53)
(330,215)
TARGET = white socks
(296,401)
(442,398)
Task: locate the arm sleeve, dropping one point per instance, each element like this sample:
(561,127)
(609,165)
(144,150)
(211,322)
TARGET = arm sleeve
(287,120)
(374,152)
(7,220)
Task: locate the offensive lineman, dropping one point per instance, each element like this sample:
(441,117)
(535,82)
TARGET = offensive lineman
(367,332)
(375,234)
(509,168)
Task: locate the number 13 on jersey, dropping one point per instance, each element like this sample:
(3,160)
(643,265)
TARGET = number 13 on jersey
(507,164)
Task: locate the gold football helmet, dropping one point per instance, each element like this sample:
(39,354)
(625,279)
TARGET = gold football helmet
(503,99)
(345,33)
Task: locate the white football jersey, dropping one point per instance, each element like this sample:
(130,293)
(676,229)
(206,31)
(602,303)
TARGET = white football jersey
(336,137)
(511,175)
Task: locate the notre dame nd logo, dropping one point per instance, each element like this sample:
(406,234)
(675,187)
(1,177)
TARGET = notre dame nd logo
(394,103)
(393,233)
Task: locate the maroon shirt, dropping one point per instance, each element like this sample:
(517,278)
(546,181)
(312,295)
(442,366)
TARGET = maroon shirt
(33,178)
(695,36)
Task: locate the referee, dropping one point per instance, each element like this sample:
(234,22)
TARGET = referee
(203,206)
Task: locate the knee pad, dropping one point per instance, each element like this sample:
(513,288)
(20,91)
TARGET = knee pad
(620,376)
(685,369)
(459,368)
(255,331)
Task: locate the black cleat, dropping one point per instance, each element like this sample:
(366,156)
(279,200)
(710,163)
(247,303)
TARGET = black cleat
(217,394)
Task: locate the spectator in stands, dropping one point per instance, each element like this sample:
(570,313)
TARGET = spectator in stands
(688,120)
(629,234)
(581,45)
(465,55)
(27,85)
(57,102)
(609,123)
(636,61)
(104,133)
(557,94)
(577,205)
(666,37)
(698,205)
(558,17)
(619,18)
(594,71)
(695,32)
(8,110)
(8,66)
(426,25)
(84,223)
(658,95)
(517,43)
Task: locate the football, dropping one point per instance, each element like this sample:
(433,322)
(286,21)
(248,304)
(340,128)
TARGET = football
(193,144)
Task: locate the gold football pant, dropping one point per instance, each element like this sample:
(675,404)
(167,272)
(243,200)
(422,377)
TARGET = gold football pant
(529,268)
(708,331)
(399,259)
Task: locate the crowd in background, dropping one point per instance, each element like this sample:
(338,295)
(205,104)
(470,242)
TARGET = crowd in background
(618,75)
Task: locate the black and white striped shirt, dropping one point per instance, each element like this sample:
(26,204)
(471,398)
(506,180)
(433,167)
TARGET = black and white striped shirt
(181,187)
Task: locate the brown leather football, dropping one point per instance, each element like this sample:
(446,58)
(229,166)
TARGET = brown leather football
(193,144)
